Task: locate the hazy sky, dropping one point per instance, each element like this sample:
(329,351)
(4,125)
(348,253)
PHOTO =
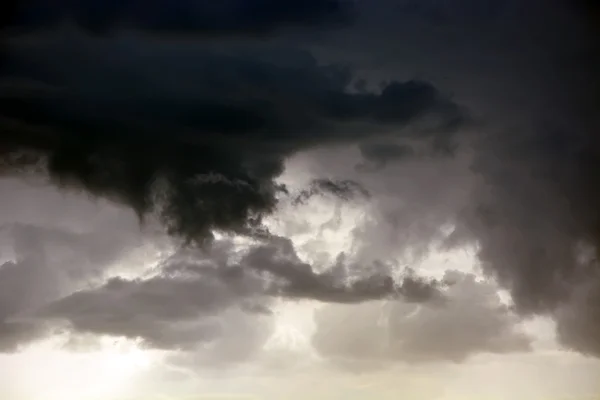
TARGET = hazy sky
(269,199)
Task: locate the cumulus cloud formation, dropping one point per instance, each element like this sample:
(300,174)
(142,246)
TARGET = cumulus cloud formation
(183,306)
(198,131)
(471,320)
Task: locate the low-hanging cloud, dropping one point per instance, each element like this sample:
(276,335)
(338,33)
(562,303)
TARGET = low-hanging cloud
(183,305)
(471,320)
(48,264)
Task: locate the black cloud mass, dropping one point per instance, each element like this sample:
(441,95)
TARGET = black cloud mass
(189,111)
(185,16)
(212,127)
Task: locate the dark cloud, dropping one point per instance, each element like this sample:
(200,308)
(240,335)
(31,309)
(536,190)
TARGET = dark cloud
(378,155)
(343,189)
(191,132)
(535,219)
(184,306)
(199,135)
(522,189)
(579,319)
(459,11)
(471,320)
(184,16)
(343,282)
(14,334)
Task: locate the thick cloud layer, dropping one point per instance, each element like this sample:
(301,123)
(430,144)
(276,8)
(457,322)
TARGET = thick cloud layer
(214,302)
(471,320)
(536,217)
(182,307)
(523,190)
(184,16)
(196,133)
(166,311)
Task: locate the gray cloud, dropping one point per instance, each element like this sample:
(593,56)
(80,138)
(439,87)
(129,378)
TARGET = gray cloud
(184,307)
(48,264)
(471,320)
(378,155)
(578,320)
(179,308)
(240,338)
(14,334)
(523,187)
(52,243)
(198,133)
(343,189)
(37,202)
(346,281)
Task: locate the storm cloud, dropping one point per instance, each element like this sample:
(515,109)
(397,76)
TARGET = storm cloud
(522,187)
(198,132)
(186,16)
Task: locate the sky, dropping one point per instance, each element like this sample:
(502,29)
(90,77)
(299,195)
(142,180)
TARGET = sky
(267,199)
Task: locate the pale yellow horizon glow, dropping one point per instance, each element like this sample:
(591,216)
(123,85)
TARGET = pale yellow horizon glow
(46,370)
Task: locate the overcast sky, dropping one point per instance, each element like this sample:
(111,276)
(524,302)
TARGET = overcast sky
(266,199)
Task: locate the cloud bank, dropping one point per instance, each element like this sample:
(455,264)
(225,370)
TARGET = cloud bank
(198,131)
